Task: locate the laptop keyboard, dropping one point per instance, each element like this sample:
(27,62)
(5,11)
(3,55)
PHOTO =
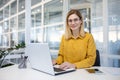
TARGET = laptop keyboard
(58,69)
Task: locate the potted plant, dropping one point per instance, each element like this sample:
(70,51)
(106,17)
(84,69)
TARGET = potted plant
(5,52)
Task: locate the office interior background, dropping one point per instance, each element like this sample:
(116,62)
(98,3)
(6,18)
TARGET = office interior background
(36,21)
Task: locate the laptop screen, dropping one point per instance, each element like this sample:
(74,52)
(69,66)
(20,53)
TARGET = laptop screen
(39,57)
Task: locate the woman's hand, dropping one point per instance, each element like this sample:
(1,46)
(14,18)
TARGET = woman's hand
(66,65)
(53,62)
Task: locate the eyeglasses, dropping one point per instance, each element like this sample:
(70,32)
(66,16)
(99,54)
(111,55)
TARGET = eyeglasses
(75,20)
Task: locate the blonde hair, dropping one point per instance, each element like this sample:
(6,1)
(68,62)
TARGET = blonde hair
(68,32)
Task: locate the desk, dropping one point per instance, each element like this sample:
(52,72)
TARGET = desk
(13,73)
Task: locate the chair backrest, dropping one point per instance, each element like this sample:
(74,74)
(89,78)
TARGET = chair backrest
(97,61)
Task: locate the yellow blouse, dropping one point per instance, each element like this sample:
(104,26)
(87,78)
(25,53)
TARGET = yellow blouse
(80,51)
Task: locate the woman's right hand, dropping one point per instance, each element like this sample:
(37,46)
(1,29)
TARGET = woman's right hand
(53,62)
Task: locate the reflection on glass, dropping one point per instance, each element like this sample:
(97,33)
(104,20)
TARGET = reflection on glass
(37,35)
(6,40)
(21,5)
(6,26)
(21,37)
(33,2)
(13,24)
(13,7)
(36,17)
(21,21)
(6,12)
(53,36)
(53,12)
(13,39)
(1,15)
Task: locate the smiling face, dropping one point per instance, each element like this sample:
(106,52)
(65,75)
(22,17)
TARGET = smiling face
(74,22)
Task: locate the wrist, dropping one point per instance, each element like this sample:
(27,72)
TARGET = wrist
(74,66)
(54,62)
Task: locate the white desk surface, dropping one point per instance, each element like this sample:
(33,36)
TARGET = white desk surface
(13,73)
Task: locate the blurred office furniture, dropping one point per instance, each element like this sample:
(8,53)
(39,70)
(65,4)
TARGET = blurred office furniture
(97,61)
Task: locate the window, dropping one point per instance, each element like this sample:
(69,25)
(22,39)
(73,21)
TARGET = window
(13,39)
(21,5)
(53,12)
(53,36)
(21,21)
(1,15)
(13,24)
(6,26)
(33,2)
(21,37)
(5,40)
(13,7)
(37,35)
(36,17)
(6,12)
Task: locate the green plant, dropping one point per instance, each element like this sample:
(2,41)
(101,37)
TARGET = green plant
(21,45)
(5,52)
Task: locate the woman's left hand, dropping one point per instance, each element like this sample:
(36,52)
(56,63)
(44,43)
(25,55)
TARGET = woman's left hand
(66,65)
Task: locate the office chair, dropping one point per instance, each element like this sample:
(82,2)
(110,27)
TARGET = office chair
(97,61)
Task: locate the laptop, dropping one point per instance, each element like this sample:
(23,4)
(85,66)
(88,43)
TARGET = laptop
(41,60)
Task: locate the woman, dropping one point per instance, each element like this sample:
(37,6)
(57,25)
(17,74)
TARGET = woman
(77,48)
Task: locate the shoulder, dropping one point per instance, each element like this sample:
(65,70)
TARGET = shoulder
(63,37)
(88,35)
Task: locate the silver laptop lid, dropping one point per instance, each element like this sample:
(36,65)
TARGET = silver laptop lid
(39,57)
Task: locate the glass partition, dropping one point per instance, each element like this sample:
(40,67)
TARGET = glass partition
(114,26)
(53,36)
(13,39)
(6,12)
(32,36)
(86,18)
(14,7)
(97,24)
(21,21)
(36,17)
(114,30)
(1,40)
(1,15)
(6,40)
(21,37)
(13,24)
(6,26)
(1,28)
(21,5)
(53,12)
(36,35)
(33,2)
(3,2)
(114,62)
